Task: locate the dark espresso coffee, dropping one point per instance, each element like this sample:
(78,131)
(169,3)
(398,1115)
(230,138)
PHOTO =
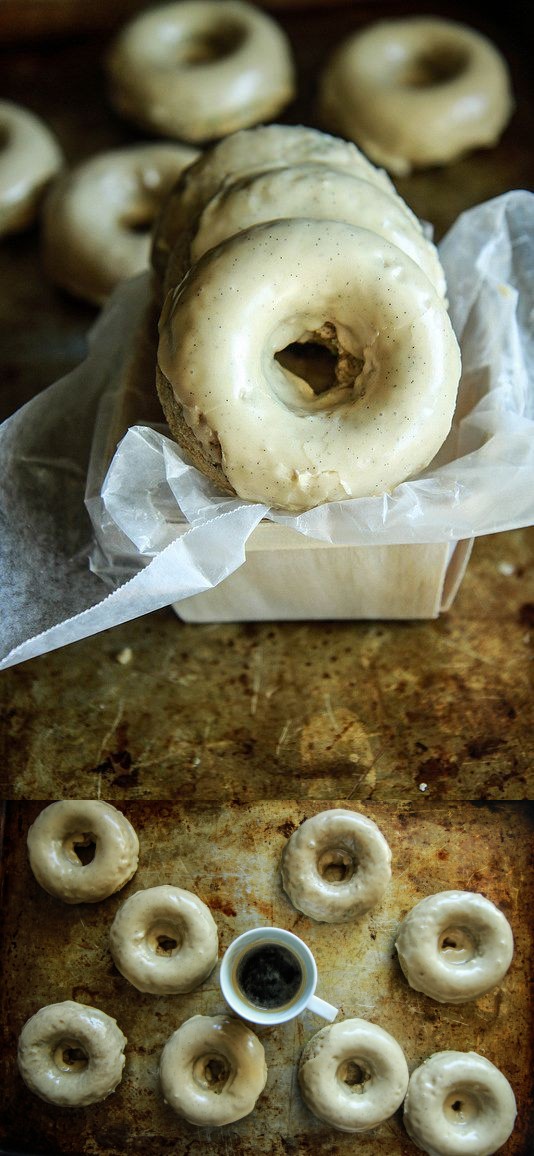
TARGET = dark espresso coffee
(269,976)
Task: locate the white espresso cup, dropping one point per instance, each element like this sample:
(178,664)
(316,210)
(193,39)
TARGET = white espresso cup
(269,976)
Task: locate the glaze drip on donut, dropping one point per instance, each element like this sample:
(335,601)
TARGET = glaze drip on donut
(82,850)
(164,940)
(416,92)
(459,1104)
(71,1055)
(212,1070)
(336,866)
(197,70)
(98,217)
(454,946)
(353,1075)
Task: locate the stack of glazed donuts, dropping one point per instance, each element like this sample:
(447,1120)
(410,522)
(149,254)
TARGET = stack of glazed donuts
(276,240)
(353,1075)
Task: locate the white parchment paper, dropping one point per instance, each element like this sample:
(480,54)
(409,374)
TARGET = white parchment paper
(71,531)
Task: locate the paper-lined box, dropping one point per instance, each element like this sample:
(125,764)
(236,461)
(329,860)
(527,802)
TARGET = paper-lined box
(287,576)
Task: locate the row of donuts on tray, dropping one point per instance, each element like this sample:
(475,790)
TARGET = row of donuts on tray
(453,946)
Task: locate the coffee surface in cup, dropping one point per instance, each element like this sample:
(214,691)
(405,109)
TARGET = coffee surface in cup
(269,976)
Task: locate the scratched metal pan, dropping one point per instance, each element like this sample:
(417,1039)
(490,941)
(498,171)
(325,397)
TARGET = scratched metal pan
(229,856)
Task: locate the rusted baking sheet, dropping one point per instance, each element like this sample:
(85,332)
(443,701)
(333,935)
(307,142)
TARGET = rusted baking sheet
(229,855)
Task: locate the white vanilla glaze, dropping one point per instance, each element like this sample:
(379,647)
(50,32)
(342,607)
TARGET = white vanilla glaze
(248,153)
(353,1075)
(197,70)
(164,940)
(416,92)
(459,1104)
(336,866)
(30,158)
(71,823)
(317,192)
(212,1070)
(97,218)
(71,1055)
(454,946)
(278,441)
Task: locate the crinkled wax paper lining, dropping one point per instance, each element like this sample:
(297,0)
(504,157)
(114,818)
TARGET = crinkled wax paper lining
(482,480)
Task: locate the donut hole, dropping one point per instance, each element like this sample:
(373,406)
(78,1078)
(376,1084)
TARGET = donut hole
(165,939)
(457,945)
(354,1075)
(441,65)
(69,1057)
(82,848)
(320,361)
(210,46)
(212,1073)
(336,865)
(460,1108)
(312,362)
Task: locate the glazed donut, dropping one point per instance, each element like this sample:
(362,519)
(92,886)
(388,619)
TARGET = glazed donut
(71,1055)
(29,158)
(417,92)
(97,217)
(212,1070)
(336,866)
(71,823)
(245,154)
(353,1075)
(262,432)
(454,946)
(322,194)
(459,1104)
(164,940)
(200,69)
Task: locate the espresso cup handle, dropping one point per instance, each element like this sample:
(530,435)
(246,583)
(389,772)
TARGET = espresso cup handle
(321,1008)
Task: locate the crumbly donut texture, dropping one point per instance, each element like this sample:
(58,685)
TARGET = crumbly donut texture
(417,92)
(62,827)
(336,866)
(30,158)
(97,217)
(353,1075)
(71,1055)
(459,1104)
(212,1070)
(262,431)
(164,940)
(455,946)
(199,70)
(248,153)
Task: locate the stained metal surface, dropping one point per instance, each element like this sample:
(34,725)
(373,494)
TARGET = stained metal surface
(296,710)
(229,856)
